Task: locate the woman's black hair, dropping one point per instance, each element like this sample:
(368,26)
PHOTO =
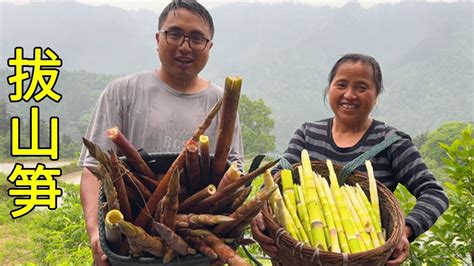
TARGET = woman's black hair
(366,59)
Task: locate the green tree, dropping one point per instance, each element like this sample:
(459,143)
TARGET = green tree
(444,134)
(4,130)
(257,126)
(420,139)
(449,241)
(4,117)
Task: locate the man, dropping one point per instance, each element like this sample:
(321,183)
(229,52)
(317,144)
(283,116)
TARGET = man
(160,109)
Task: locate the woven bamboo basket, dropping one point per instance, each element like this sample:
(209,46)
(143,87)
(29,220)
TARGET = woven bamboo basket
(293,252)
(159,163)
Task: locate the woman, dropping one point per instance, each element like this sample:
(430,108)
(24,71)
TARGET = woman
(355,82)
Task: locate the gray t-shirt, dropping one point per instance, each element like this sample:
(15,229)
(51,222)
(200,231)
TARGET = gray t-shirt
(155,117)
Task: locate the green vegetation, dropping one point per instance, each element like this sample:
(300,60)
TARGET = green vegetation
(450,240)
(257,126)
(44,236)
(59,237)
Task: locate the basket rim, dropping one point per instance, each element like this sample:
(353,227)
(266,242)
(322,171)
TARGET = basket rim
(284,240)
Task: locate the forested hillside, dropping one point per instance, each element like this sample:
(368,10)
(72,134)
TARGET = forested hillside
(283,52)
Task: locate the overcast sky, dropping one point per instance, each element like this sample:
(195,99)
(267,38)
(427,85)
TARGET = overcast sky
(158,5)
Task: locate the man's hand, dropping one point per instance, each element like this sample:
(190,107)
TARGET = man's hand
(268,244)
(402,250)
(89,192)
(100,259)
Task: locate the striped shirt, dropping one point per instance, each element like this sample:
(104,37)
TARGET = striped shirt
(399,163)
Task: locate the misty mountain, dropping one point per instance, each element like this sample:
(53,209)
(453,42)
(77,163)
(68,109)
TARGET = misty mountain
(284,53)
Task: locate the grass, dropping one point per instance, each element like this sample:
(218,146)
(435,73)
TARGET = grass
(58,236)
(70,168)
(43,236)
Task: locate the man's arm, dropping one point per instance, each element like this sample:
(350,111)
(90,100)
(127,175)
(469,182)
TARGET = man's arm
(89,192)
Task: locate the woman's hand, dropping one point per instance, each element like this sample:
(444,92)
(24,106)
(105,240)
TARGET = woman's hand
(402,250)
(257,227)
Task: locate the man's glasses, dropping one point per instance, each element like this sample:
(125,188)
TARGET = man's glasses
(177,38)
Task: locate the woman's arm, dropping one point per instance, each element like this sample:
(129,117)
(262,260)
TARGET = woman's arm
(411,171)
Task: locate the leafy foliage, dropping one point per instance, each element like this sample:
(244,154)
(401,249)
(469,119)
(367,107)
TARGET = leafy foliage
(44,236)
(449,241)
(444,134)
(257,126)
(62,232)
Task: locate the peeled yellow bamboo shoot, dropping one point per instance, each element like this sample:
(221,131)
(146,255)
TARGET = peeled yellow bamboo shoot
(268,183)
(303,212)
(289,197)
(374,198)
(333,240)
(287,186)
(363,198)
(337,219)
(366,222)
(347,223)
(312,202)
(112,229)
(364,239)
(284,218)
(280,212)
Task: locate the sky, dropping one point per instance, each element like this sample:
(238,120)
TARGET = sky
(158,5)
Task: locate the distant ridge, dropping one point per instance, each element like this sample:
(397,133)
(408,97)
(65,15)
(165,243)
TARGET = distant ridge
(283,52)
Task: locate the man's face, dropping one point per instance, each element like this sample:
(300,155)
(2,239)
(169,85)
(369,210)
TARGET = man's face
(181,63)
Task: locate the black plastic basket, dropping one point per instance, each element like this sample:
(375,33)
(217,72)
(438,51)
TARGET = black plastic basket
(159,163)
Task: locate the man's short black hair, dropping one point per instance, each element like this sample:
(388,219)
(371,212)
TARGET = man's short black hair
(191,5)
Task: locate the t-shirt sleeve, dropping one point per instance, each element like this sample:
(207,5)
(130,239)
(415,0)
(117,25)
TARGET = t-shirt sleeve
(107,114)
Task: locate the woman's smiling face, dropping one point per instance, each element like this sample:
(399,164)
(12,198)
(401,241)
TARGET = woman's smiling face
(353,93)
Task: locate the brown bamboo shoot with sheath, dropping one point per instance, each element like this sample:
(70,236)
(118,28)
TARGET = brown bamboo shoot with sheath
(244,211)
(222,205)
(173,240)
(178,163)
(192,201)
(200,246)
(224,252)
(129,151)
(231,175)
(97,153)
(226,191)
(119,184)
(205,159)
(132,181)
(193,170)
(170,202)
(240,199)
(138,239)
(226,126)
(110,193)
(202,220)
